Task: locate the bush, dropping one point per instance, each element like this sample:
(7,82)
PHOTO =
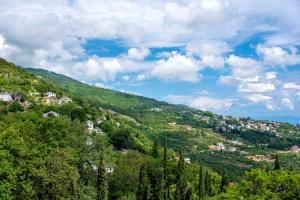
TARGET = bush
(15,107)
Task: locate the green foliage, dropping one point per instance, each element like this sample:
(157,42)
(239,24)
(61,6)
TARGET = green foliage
(261,185)
(142,191)
(15,107)
(102,187)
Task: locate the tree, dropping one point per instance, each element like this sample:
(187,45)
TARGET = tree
(201,186)
(155,150)
(102,186)
(224,182)
(277,164)
(142,192)
(208,186)
(181,184)
(165,172)
(15,107)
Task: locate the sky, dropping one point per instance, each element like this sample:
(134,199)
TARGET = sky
(232,57)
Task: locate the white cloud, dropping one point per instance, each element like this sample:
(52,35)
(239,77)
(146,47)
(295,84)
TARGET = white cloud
(202,103)
(97,69)
(271,75)
(126,78)
(243,67)
(270,106)
(286,102)
(138,54)
(207,103)
(256,98)
(291,86)
(256,87)
(177,68)
(141,77)
(278,56)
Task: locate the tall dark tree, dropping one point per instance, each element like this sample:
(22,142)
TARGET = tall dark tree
(181,184)
(142,192)
(208,184)
(155,149)
(201,186)
(277,164)
(188,194)
(102,186)
(165,172)
(224,182)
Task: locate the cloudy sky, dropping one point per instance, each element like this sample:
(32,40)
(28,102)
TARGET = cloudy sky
(238,57)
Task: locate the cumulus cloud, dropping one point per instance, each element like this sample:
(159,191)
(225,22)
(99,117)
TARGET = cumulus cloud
(256,98)
(291,86)
(278,56)
(203,103)
(138,54)
(271,75)
(97,69)
(207,103)
(256,87)
(178,67)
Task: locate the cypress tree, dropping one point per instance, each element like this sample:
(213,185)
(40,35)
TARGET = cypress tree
(155,150)
(102,186)
(142,192)
(201,187)
(165,172)
(224,182)
(277,164)
(208,186)
(188,194)
(181,184)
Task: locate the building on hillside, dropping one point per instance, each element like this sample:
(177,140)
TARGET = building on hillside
(187,160)
(294,149)
(232,149)
(50,95)
(6,97)
(218,147)
(64,100)
(90,126)
(50,114)
(109,170)
(221,146)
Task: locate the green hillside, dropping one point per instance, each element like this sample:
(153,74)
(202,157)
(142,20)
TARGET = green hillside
(136,147)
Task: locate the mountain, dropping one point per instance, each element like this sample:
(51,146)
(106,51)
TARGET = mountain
(196,130)
(58,136)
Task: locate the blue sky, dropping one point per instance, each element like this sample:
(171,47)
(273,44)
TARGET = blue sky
(233,57)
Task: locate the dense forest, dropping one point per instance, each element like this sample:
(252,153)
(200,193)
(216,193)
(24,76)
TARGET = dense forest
(47,151)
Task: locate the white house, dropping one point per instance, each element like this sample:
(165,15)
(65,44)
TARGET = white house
(220,146)
(109,170)
(187,160)
(50,95)
(6,97)
(50,114)
(90,126)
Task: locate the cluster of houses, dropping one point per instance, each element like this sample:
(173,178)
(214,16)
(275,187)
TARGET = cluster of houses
(228,123)
(91,129)
(51,98)
(220,147)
